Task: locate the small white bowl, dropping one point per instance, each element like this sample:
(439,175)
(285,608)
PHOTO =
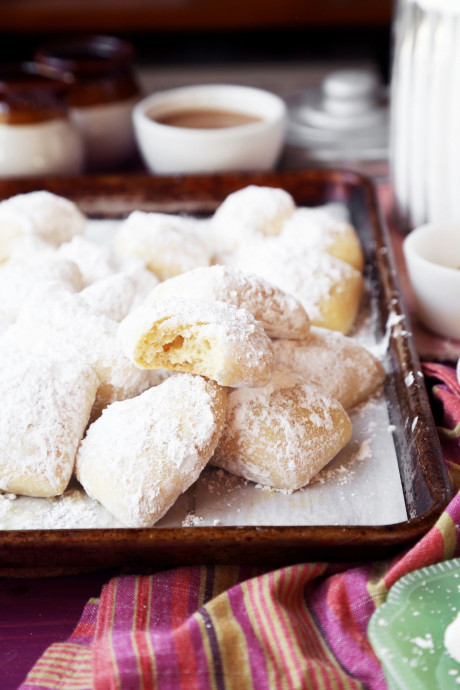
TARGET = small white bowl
(171,149)
(432,254)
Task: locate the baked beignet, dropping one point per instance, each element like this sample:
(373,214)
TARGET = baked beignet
(283,434)
(253,211)
(98,262)
(312,228)
(338,364)
(111,296)
(330,290)
(168,244)
(45,405)
(214,339)
(41,214)
(141,454)
(57,320)
(280,314)
(22,277)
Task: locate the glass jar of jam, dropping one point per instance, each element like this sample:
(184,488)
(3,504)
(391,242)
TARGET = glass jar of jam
(36,135)
(102,96)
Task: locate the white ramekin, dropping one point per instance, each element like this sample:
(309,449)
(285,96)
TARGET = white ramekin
(432,254)
(170,149)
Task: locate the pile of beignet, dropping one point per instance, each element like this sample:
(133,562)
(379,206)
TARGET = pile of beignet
(187,342)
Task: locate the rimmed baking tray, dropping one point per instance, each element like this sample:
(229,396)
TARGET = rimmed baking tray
(425,483)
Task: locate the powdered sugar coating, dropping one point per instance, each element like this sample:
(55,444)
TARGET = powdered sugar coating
(24,246)
(143,280)
(95,261)
(5,321)
(281,435)
(12,229)
(329,289)
(253,211)
(213,339)
(48,216)
(340,365)
(98,261)
(57,320)
(111,296)
(452,638)
(280,314)
(141,454)
(19,278)
(168,244)
(45,403)
(313,228)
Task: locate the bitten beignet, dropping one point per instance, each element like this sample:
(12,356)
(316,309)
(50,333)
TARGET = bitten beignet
(280,314)
(141,454)
(283,434)
(214,339)
(338,364)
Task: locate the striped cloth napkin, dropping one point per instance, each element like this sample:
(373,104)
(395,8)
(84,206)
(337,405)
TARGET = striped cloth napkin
(222,627)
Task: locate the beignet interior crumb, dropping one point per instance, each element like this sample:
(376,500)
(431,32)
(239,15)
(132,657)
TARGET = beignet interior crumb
(216,340)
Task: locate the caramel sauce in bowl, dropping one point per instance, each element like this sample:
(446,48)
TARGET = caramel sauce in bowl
(205,118)
(210,128)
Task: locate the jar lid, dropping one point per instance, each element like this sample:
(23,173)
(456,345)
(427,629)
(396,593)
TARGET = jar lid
(87,56)
(24,77)
(31,93)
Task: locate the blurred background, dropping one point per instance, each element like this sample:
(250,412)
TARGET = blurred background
(287,47)
(184,31)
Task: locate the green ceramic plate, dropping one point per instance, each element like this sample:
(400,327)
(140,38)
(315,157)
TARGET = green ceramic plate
(407,632)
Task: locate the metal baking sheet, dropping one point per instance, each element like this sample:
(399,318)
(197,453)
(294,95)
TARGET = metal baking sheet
(386,488)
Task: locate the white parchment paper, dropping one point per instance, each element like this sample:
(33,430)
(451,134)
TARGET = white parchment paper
(360,487)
